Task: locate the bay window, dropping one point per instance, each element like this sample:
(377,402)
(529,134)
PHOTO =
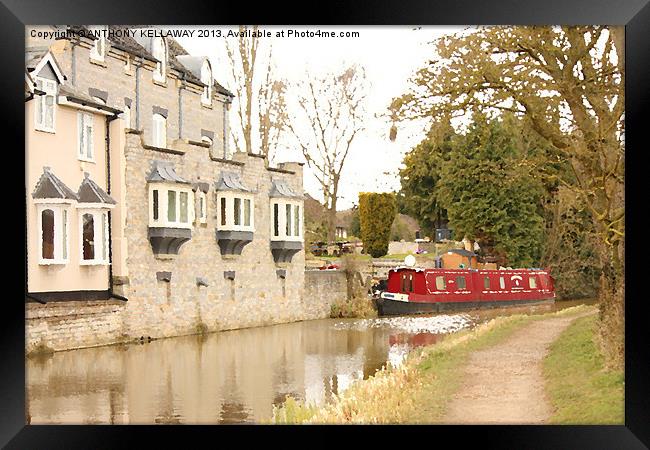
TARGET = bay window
(170,206)
(53,225)
(93,232)
(236,218)
(171,209)
(235,211)
(286,220)
(45,105)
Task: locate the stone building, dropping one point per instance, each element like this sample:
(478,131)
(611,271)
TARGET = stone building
(194,237)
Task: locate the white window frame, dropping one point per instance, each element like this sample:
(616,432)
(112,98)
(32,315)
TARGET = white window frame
(202,199)
(83,118)
(61,240)
(49,87)
(98,51)
(225,131)
(163,194)
(206,78)
(158,137)
(160,72)
(126,116)
(282,220)
(230,211)
(102,251)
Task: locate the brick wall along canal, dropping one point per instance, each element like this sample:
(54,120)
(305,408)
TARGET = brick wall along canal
(231,376)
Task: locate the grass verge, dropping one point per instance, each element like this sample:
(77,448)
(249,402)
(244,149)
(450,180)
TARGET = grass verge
(580,388)
(417,391)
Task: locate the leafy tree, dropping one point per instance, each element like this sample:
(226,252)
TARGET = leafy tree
(568,83)
(376,215)
(570,246)
(489,196)
(420,176)
(355,224)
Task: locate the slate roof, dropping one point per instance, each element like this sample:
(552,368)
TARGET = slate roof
(90,192)
(81,98)
(49,186)
(280,188)
(164,171)
(230,181)
(131,45)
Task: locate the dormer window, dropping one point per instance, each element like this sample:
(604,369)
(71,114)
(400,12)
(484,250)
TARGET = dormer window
(206,78)
(160,53)
(98,51)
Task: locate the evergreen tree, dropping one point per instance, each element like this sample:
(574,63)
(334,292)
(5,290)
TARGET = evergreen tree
(490,194)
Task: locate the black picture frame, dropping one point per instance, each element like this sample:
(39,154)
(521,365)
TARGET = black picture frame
(634,14)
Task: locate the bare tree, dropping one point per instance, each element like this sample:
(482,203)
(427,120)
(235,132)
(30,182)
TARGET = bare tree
(261,108)
(333,108)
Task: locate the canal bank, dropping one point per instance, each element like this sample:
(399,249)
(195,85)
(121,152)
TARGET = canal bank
(67,325)
(234,376)
(449,382)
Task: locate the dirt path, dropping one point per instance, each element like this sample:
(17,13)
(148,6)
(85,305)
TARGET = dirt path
(503,384)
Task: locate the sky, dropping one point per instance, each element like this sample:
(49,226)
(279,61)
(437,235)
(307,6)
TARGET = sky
(389,55)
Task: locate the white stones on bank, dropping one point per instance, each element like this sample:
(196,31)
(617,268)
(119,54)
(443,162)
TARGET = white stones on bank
(435,324)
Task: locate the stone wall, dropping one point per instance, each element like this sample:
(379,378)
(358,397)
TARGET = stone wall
(74,324)
(79,324)
(322,288)
(256,295)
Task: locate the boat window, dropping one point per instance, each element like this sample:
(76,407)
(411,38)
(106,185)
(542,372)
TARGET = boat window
(486,282)
(440,283)
(407,282)
(533,282)
(502,283)
(460,283)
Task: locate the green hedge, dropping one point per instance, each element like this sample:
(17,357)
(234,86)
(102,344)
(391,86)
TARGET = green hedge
(376,215)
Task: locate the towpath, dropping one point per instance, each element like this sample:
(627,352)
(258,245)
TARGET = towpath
(503,384)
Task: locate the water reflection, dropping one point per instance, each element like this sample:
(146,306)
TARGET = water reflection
(228,377)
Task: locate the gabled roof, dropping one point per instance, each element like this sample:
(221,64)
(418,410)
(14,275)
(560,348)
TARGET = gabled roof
(36,61)
(90,192)
(164,171)
(280,188)
(230,181)
(49,186)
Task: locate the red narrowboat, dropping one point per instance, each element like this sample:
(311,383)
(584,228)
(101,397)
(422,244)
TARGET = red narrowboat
(412,290)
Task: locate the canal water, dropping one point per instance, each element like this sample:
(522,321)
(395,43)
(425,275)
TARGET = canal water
(231,376)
